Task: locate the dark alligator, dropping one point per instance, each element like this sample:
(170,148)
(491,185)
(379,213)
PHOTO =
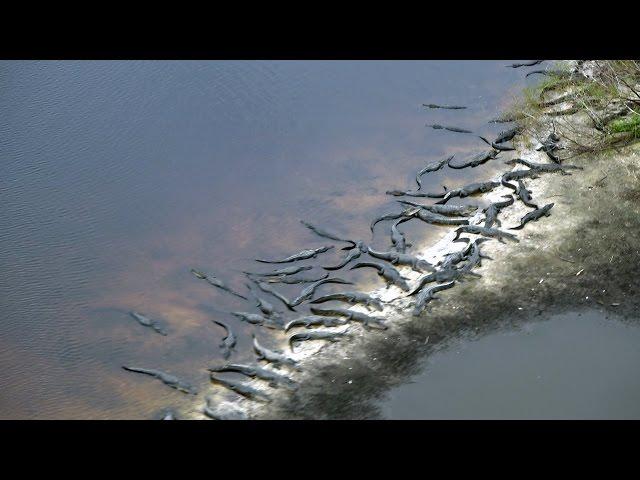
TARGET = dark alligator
(291,280)
(486,232)
(396,258)
(216,282)
(475,160)
(327,335)
(434,218)
(427,294)
(468,190)
(264,306)
(445,107)
(352,255)
(390,274)
(406,213)
(508,118)
(544,167)
(436,126)
(257,319)
(526,64)
(535,215)
(411,193)
(313,320)
(525,195)
(431,167)
(475,256)
(398,240)
(267,289)
(497,146)
(445,275)
(516,175)
(302,255)
(308,292)
(550,145)
(507,135)
(554,73)
(453,258)
(147,322)
(443,209)
(228,341)
(330,235)
(281,272)
(169,380)
(274,379)
(351,315)
(352,298)
(273,356)
(492,211)
(241,389)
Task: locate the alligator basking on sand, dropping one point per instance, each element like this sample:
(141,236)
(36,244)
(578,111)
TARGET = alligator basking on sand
(406,213)
(525,195)
(516,175)
(507,135)
(169,380)
(445,275)
(273,356)
(431,167)
(497,146)
(468,190)
(308,292)
(228,341)
(508,117)
(302,255)
(444,107)
(352,298)
(474,256)
(257,319)
(274,379)
(492,211)
(267,289)
(436,219)
(147,322)
(330,336)
(475,160)
(535,215)
(314,320)
(444,209)
(352,315)
(428,294)
(330,235)
(550,145)
(352,255)
(436,126)
(544,167)
(241,389)
(396,258)
(485,232)
(412,193)
(281,272)
(291,280)
(390,274)
(216,282)
(398,240)
(525,64)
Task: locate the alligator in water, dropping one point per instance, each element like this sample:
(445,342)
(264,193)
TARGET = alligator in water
(291,280)
(330,235)
(228,341)
(241,389)
(352,255)
(497,146)
(406,213)
(475,160)
(264,306)
(468,190)
(216,282)
(303,255)
(544,167)
(147,322)
(169,380)
(308,292)
(390,274)
(411,193)
(281,272)
(273,356)
(535,215)
(274,379)
(396,258)
(314,320)
(525,195)
(436,126)
(352,298)
(267,289)
(257,319)
(431,167)
(516,175)
(398,240)
(443,209)
(492,211)
(444,107)
(428,294)
(330,336)
(486,232)
(351,315)
(507,135)
(526,64)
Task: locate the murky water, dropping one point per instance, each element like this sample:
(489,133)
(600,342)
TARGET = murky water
(116,178)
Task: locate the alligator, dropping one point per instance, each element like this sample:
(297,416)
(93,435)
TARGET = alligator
(434,218)
(326,234)
(241,389)
(534,215)
(507,135)
(443,209)
(273,356)
(525,195)
(497,146)
(396,258)
(555,73)
(475,160)
(445,107)
(526,64)
(516,175)
(431,167)
(390,274)
(350,297)
(492,211)
(290,280)
(313,320)
(273,378)
(508,118)
(228,341)
(169,380)
(436,126)
(398,239)
(308,292)
(445,275)
(411,193)
(406,213)
(330,336)
(352,255)
(302,255)
(486,232)
(453,258)
(216,282)
(257,319)
(147,322)
(264,306)
(351,315)
(468,190)
(427,294)
(281,272)
(544,167)
(267,289)
(475,256)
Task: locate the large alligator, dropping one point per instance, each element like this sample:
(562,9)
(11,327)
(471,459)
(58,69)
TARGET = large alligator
(525,195)
(228,341)
(291,280)
(330,235)
(554,73)
(431,167)
(475,160)
(302,255)
(390,274)
(443,209)
(468,190)
(216,282)
(169,380)
(147,322)
(434,218)
(544,167)
(486,232)
(436,126)
(507,135)
(331,336)
(508,117)
(242,389)
(352,298)
(445,275)
(282,271)
(428,294)
(396,258)
(314,320)
(398,240)
(525,64)
(273,356)
(257,319)
(445,107)
(492,211)
(535,215)
(516,175)
(262,304)
(412,193)
(497,146)
(352,255)
(406,213)
(308,292)
(274,379)
(267,289)
(352,315)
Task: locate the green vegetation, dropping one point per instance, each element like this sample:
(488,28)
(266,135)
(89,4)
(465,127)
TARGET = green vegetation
(629,124)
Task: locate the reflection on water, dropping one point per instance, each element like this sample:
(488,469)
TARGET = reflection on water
(117,177)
